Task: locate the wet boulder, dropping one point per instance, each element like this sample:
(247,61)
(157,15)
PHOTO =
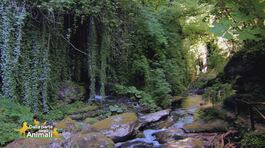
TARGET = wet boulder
(118,127)
(171,134)
(162,124)
(154,117)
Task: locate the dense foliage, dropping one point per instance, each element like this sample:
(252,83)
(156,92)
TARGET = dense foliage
(141,44)
(243,23)
(11,117)
(106,43)
(140,49)
(253,139)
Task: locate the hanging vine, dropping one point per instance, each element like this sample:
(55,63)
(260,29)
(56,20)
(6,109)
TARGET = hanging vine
(45,70)
(104,52)
(25,76)
(92,65)
(12,18)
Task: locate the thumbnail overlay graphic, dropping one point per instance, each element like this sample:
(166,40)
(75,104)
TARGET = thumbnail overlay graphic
(38,130)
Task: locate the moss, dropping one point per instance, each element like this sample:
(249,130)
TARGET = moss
(34,142)
(193,126)
(65,123)
(91,120)
(192,101)
(64,110)
(86,108)
(121,119)
(197,143)
(209,126)
(91,140)
(129,117)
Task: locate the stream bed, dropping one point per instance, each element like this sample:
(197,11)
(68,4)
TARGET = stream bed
(181,116)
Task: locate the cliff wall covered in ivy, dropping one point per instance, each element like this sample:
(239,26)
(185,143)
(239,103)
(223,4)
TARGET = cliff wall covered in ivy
(110,47)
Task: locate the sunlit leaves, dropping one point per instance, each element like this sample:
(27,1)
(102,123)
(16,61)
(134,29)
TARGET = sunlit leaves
(221,27)
(243,20)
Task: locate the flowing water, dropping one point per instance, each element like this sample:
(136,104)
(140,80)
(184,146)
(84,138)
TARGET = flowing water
(148,139)
(183,115)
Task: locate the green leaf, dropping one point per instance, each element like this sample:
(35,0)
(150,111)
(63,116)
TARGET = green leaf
(246,35)
(221,27)
(218,29)
(228,36)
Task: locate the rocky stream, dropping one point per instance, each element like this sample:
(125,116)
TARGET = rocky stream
(170,128)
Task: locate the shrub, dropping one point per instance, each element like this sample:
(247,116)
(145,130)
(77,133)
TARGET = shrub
(11,117)
(145,98)
(209,114)
(115,109)
(219,91)
(253,140)
(160,88)
(216,60)
(59,112)
(129,91)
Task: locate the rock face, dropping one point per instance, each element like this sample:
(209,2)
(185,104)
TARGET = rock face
(88,140)
(35,143)
(118,127)
(70,92)
(154,117)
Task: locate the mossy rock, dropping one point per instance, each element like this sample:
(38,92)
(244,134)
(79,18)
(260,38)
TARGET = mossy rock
(90,120)
(124,118)
(67,124)
(35,143)
(89,140)
(118,127)
(191,101)
(207,126)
